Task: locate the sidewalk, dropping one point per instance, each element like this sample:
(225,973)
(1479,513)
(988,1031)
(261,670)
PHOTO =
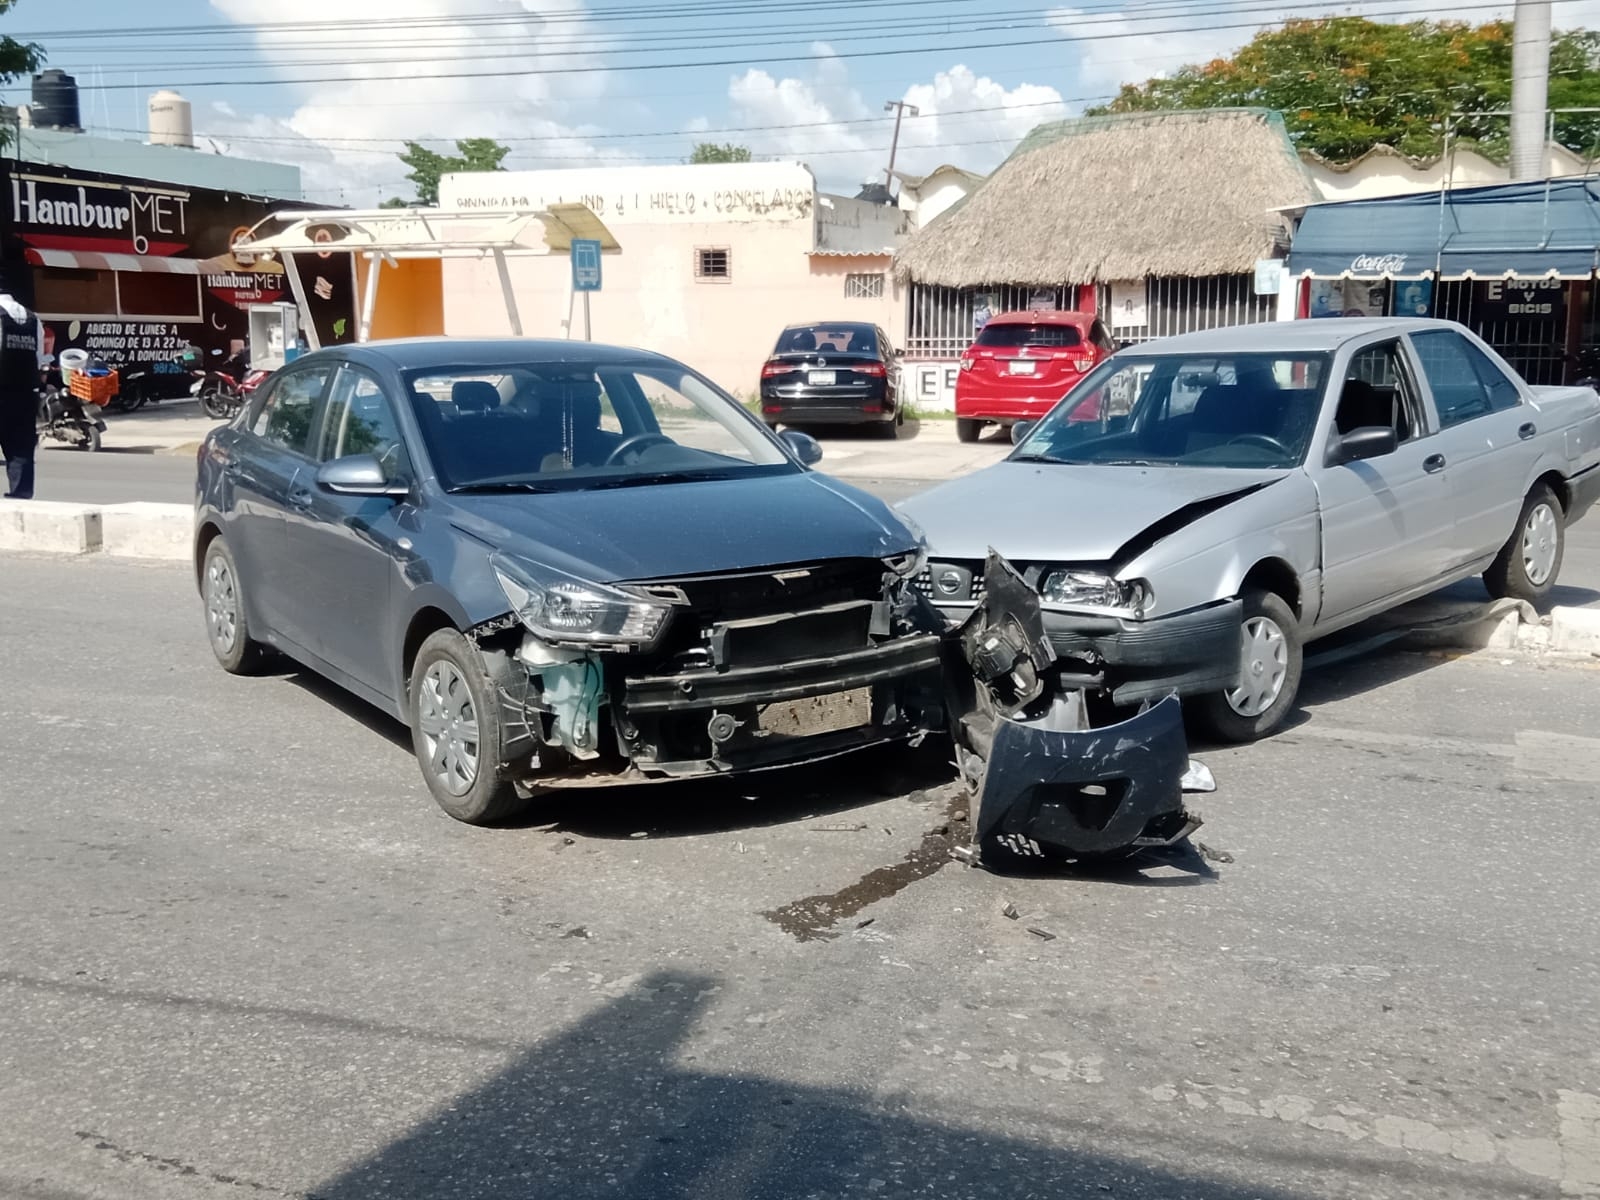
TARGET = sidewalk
(924,450)
(171,427)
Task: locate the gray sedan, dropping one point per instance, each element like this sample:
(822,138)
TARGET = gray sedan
(1263,486)
(560,564)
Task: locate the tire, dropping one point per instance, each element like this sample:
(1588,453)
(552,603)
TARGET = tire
(454,714)
(91,440)
(888,431)
(1246,714)
(227,627)
(214,404)
(968,430)
(1530,562)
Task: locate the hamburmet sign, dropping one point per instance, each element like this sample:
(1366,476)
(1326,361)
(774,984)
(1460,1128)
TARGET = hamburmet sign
(145,220)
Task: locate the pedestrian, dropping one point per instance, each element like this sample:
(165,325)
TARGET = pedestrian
(21,357)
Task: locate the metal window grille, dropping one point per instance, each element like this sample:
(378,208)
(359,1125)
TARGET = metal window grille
(863,287)
(939,322)
(713,262)
(1535,346)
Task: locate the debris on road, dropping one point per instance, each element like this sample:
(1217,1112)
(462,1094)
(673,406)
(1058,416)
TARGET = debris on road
(1211,854)
(1011,911)
(1043,934)
(840,827)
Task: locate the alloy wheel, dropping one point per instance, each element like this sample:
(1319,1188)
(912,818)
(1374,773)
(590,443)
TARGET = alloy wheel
(1265,667)
(449,727)
(1540,540)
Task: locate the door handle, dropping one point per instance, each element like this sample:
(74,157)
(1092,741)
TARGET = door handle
(1433,464)
(1527,431)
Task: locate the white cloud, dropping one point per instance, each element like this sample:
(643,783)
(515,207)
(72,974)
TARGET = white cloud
(331,132)
(846,140)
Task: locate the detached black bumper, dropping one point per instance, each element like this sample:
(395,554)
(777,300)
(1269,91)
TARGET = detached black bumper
(1583,491)
(1191,653)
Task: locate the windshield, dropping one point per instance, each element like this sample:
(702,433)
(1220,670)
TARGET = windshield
(830,339)
(1230,410)
(1010,333)
(559,426)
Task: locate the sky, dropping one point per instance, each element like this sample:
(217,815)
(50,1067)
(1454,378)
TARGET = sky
(335,87)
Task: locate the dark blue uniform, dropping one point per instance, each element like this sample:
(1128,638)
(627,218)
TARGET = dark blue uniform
(19,401)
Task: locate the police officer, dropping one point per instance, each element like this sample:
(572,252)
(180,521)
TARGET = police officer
(21,355)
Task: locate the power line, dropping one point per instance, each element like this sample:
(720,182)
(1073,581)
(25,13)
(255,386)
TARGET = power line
(849,54)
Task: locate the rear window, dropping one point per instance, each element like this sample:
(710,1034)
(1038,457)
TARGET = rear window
(1010,334)
(839,339)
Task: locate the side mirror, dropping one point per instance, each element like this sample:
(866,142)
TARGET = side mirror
(1020,431)
(1370,441)
(803,446)
(358,475)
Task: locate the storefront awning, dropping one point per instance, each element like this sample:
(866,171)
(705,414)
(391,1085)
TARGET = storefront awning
(1527,230)
(85,260)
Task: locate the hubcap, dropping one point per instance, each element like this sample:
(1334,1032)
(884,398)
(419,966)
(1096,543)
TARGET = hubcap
(1540,536)
(222,605)
(1266,665)
(449,728)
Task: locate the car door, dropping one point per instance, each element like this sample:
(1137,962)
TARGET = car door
(1386,521)
(261,473)
(1485,433)
(346,549)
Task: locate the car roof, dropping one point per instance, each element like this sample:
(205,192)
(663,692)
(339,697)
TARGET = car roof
(851,324)
(410,354)
(1308,335)
(1043,316)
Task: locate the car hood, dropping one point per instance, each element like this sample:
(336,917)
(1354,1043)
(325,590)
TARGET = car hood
(677,529)
(1034,511)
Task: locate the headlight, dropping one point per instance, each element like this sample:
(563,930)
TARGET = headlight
(563,608)
(912,561)
(1093,589)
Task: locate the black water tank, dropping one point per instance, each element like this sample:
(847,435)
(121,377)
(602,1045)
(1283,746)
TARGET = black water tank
(55,101)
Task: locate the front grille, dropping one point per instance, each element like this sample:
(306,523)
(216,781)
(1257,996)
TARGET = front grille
(969,582)
(779,589)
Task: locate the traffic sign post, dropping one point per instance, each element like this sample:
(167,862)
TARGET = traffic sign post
(585,278)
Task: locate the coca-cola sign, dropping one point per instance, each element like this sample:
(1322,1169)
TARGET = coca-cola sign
(1378,264)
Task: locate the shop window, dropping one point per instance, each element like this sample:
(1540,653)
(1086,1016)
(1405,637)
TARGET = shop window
(153,294)
(60,292)
(863,287)
(713,263)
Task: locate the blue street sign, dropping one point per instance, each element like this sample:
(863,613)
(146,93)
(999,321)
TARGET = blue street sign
(585,265)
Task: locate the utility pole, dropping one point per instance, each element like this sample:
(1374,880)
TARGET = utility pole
(899,108)
(1530,87)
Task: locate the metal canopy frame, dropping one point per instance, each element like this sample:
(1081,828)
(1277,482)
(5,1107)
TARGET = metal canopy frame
(387,235)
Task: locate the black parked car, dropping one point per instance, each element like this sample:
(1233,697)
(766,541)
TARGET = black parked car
(838,373)
(559,563)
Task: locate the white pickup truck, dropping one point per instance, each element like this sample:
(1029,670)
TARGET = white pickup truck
(1266,485)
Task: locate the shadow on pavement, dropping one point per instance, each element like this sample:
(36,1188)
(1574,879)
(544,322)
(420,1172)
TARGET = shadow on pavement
(612,1107)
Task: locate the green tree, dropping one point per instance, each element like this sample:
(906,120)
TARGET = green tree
(710,152)
(16,59)
(427,166)
(1347,84)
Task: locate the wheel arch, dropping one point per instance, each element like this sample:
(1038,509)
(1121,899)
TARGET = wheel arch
(205,533)
(1275,575)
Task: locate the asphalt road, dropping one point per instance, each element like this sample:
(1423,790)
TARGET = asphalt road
(246,955)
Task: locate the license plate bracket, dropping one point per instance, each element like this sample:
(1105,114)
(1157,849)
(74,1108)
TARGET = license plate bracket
(831,713)
(1022,366)
(822,378)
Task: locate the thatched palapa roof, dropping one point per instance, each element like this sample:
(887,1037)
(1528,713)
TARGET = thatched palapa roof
(1120,197)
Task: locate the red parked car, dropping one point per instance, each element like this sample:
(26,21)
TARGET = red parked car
(1022,363)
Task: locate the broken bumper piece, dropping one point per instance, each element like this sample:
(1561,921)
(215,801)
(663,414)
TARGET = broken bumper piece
(1090,792)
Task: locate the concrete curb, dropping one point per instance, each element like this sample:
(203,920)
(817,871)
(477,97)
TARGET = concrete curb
(144,530)
(1575,631)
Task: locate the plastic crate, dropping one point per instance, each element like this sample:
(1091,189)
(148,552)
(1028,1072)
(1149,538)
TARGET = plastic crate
(96,389)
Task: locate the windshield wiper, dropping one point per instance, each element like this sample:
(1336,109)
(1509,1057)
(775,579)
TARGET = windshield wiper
(1123,462)
(1043,458)
(500,485)
(654,477)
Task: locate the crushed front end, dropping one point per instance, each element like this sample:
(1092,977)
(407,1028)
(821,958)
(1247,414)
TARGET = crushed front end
(1058,772)
(718,674)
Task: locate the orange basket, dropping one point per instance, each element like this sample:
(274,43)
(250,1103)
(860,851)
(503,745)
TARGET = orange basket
(96,389)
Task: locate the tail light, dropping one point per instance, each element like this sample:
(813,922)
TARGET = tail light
(772,408)
(1083,364)
(770,369)
(874,370)
(966,364)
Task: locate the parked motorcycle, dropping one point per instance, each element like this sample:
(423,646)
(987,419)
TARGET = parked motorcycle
(220,387)
(65,418)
